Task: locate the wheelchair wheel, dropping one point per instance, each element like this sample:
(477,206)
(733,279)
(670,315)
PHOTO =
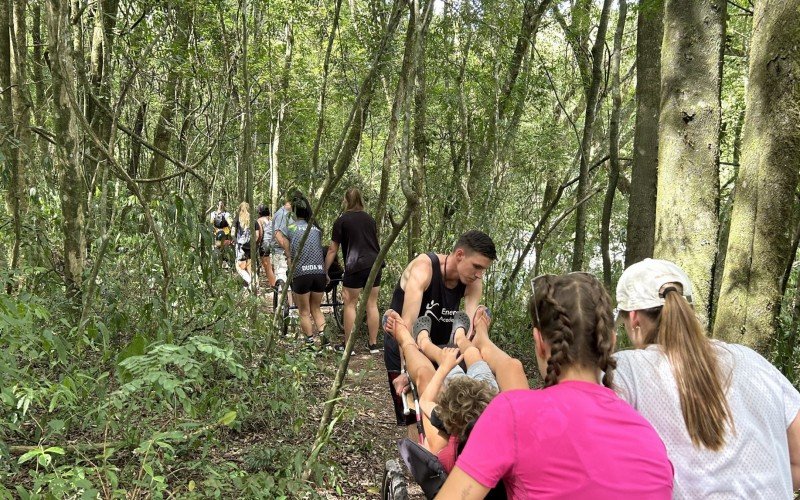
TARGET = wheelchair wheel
(394,482)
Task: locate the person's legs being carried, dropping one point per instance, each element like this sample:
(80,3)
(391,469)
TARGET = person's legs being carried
(508,370)
(419,367)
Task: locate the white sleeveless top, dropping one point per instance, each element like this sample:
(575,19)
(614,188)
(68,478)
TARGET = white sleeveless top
(754,463)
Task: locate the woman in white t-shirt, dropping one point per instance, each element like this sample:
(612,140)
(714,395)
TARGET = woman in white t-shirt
(730,420)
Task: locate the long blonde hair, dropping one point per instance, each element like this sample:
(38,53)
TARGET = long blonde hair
(697,373)
(352,200)
(243,215)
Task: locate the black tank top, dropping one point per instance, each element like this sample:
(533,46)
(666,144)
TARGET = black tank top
(438,302)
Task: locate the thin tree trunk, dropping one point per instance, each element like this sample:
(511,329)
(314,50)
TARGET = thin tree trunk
(688,148)
(323,92)
(165,126)
(725,218)
(586,141)
(613,147)
(394,119)
(768,175)
(283,104)
(9,145)
(71,188)
(644,175)
(420,140)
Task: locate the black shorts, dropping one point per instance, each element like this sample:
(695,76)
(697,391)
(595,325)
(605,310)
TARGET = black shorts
(264,253)
(309,283)
(359,279)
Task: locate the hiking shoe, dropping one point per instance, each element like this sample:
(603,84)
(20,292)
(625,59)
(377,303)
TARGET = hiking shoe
(374,349)
(340,348)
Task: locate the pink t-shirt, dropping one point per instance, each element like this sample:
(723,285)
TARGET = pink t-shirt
(571,440)
(447,455)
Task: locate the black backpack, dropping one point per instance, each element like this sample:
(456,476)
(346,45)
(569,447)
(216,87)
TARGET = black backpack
(220,221)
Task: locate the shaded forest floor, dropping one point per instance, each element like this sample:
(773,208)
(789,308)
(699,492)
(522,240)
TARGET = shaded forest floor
(363,438)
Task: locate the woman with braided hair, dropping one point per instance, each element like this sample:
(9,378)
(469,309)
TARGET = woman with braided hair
(575,438)
(730,420)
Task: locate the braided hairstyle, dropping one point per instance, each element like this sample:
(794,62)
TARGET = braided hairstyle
(577,322)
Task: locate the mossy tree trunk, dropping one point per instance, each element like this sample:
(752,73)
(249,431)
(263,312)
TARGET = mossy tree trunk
(72,190)
(688,147)
(759,236)
(644,176)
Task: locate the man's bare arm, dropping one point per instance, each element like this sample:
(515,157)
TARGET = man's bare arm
(284,243)
(472,299)
(331,255)
(416,279)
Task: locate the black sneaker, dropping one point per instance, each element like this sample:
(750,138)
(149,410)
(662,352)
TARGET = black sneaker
(374,349)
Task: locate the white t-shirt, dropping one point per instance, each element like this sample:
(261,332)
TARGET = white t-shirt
(754,462)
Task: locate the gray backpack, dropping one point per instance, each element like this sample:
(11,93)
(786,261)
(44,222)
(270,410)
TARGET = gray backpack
(266,237)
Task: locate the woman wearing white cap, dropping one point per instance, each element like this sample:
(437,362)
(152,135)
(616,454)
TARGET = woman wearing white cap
(730,420)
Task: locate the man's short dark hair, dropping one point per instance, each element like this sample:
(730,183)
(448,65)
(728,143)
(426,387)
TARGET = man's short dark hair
(477,241)
(263,210)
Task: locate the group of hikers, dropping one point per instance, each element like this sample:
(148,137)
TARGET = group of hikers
(278,239)
(679,415)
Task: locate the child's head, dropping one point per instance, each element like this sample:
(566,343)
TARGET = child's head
(461,402)
(573,315)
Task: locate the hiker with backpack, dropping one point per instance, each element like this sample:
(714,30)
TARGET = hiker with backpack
(221,222)
(242,227)
(264,239)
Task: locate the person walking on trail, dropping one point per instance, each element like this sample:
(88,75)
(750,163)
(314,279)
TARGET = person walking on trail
(264,239)
(575,438)
(280,229)
(242,227)
(356,233)
(221,223)
(308,277)
(730,420)
(433,285)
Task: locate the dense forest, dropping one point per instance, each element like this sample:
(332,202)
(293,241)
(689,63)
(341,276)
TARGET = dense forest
(579,134)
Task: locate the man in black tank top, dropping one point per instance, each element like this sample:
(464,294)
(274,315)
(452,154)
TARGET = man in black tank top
(433,285)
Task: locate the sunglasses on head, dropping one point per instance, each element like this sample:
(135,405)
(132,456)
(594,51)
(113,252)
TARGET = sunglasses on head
(533,290)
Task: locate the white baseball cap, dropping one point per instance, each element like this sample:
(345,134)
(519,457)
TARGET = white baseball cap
(640,286)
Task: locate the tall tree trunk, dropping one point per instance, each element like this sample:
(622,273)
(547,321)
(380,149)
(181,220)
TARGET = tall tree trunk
(592,94)
(394,118)
(420,140)
(72,189)
(280,114)
(759,236)
(105,17)
(644,176)
(165,126)
(324,90)
(9,145)
(725,218)
(688,148)
(613,148)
